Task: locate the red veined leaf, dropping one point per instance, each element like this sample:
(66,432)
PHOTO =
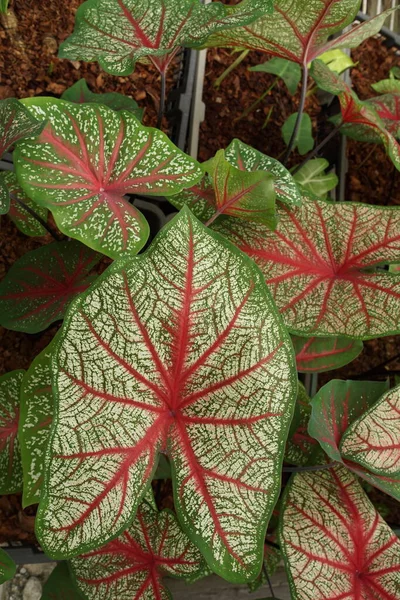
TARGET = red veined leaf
(373,440)
(317,355)
(360,120)
(39,286)
(336,545)
(79,93)
(134,564)
(85,161)
(336,405)
(171,351)
(322,265)
(61,585)
(298,31)
(200,198)
(36,417)
(4,195)
(301,448)
(23,219)
(10,458)
(8,568)
(387,86)
(388,108)
(117,33)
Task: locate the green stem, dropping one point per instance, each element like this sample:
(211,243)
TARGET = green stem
(231,67)
(318,148)
(299,116)
(257,102)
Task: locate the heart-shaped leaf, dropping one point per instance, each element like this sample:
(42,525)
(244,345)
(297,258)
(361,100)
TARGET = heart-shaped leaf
(168,352)
(323,266)
(387,86)
(22,218)
(117,33)
(317,355)
(10,457)
(134,564)
(61,585)
(79,93)
(312,178)
(86,159)
(39,286)
(388,109)
(298,31)
(8,568)
(289,71)
(337,60)
(304,141)
(35,422)
(336,545)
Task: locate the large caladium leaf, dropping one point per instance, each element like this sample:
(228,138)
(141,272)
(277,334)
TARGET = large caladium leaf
(36,417)
(336,545)
(22,218)
(134,564)
(61,585)
(79,93)
(359,119)
(10,456)
(39,286)
(171,351)
(8,567)
(317,355)
(321,265)
(84,162)
(117,33)
(298,31)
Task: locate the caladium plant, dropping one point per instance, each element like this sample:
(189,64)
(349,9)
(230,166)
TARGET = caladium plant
(10,454)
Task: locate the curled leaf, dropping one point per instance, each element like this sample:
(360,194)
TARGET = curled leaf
(289,71)
(313,179)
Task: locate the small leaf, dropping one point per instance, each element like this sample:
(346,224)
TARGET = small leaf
(39,286)
(24,221)
(79,93)
(388,109)
(387,86)
(337,60)
(86,160)
(134,564)
(304,140)
(10,458)
(335,543)
(167,352)
(117,33)
(35,422)
(289,71)
(8,568)
(317,355)
(16,123)
(301,448)
(313,178)
(4,195)
(61,585)
(323,265)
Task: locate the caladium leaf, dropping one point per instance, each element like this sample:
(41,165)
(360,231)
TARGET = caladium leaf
(321,265)
(36,417)
(134,564)
(301,447)
(336,545)
(61,585)
(23,219)
(289,71)
(304,141)
(117,33)
(79,93)
(86,159)
(388,108)
(312,177)
(337,60)
(387,86)
(8,568)
(200,198)
(157,356)
(317,355)
(298,31)
(4,195)
(39,286)
(373,440)
(359,119)
(10,457)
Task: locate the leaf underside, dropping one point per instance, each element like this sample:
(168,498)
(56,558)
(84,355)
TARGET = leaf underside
(289,71)
(10,457)
(312,178)
(336,545)
(160,355)
(317,355)
(39,286)
(322,266)
(24,221)
(61,585)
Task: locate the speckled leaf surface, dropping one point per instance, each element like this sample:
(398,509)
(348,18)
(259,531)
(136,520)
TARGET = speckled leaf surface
(36,417)
(317,355)
(336,545)
(388,108)
(200,198)
(10,457)
(134,564)
(387,86)
(85,161)
(24,221)
(39,286)
(4,195)
(16,123)
(8,567)
(176,350)
(79,93)
(321,265)
(298,31)
(117,33)
(300,446)
(61,585)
